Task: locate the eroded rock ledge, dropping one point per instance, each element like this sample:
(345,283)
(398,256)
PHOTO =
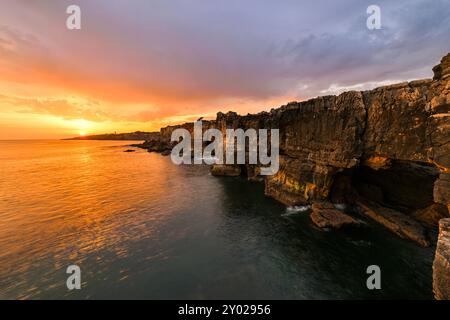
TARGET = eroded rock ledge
(386,151)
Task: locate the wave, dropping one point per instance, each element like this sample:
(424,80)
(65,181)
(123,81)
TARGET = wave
(295,210)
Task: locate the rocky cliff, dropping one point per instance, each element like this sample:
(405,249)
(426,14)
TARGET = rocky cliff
(384,151)
(389,146)
(441,265)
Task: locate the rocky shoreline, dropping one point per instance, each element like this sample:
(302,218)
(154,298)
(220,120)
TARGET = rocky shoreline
(384,151)
(134,136)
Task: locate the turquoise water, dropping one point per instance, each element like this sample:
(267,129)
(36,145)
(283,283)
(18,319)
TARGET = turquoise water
(140,227)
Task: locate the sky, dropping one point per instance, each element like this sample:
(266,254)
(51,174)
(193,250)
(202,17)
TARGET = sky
(144,64)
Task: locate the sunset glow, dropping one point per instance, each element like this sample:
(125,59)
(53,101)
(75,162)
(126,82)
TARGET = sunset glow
(129,75)
(230,158)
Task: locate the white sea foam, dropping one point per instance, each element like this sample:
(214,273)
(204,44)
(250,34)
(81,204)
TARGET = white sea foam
(340,206)
(295,210)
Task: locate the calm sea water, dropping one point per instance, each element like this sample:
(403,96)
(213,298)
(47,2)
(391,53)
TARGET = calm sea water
(140,227)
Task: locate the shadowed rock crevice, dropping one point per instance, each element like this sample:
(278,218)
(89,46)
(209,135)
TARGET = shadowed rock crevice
(404,186)
(395,194)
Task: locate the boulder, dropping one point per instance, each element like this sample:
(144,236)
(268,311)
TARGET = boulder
(324,215)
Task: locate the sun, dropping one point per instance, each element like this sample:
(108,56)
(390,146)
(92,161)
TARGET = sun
(82,126)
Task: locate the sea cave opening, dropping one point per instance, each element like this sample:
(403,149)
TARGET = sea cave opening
(405,186)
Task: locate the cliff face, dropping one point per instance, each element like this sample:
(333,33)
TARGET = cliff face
(390,145)
(385,151)
(164,144)
(441,265)
(403,127)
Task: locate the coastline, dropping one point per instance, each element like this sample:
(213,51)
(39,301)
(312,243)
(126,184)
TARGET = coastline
(384,151)
(136,136)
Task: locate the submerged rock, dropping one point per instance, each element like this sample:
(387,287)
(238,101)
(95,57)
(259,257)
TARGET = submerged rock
(441,265)
(166,152)
(156,146)
(324,215)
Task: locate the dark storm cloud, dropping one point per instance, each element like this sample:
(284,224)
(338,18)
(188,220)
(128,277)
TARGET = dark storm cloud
(210,50)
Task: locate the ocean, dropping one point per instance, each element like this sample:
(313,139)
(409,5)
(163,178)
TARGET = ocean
(139,226)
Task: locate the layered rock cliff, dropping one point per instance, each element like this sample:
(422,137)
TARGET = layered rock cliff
(390,145)
(385,151)
(402,127)
(441,265)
